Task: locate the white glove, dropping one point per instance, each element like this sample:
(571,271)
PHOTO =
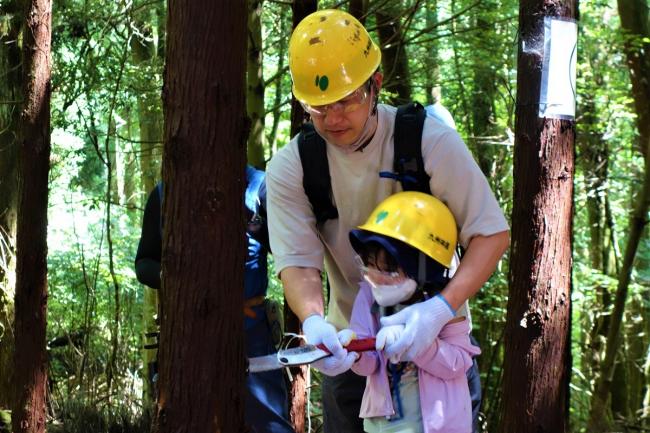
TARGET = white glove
(317,330)
(387,336)
(422,324)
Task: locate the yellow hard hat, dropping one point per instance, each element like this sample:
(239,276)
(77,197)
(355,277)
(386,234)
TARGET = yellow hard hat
(419,220)
(331,55)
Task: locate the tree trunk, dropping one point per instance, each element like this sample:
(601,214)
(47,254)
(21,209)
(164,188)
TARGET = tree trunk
(279,93)
(298,388)
(149,111)
(593,157)
(432,61)
(30,367)
(636,27)
(599,419)
(634,21)
(394,60)
(358,9)
(537,336)
(459,76)
(130,169)
(255,87)
(484,89)
(637,341)
(112,157)
(10,95)
(201,346)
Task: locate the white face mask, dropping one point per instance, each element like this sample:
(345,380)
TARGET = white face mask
(389,295)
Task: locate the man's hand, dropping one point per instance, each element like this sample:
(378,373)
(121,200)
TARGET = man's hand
(317,330)
(422,324)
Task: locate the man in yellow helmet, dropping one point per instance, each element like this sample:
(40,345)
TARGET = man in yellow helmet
(334,67)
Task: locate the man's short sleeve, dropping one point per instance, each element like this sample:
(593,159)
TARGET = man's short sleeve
(292,224)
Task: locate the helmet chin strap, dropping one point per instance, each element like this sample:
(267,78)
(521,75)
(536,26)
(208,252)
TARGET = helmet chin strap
(366,135)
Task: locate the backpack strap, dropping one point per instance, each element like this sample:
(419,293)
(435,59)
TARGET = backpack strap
(316,174)
(407,162)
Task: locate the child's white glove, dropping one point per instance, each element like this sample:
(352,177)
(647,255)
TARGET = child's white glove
(387,336)
(422,324)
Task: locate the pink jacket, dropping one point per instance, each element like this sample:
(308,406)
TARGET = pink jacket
(444,393)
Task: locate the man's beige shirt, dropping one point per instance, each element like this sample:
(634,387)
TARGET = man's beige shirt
(357,188)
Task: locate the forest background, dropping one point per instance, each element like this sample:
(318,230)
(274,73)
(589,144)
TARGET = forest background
(107,135)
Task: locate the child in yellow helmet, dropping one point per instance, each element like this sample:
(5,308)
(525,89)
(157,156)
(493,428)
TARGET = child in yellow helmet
(405,250)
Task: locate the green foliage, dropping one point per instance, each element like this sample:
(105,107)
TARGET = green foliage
(5,421)
(468,48)
(78,417)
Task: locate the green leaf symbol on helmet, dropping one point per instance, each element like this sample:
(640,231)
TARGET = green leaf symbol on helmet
(322,82)
(381,216)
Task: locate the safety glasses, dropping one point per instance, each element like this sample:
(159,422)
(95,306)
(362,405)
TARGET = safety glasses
(379,277)
(349,104)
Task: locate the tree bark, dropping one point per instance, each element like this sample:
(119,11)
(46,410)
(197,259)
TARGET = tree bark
(358,9)
(201,344)
(30,367)
(10,95)
(636,27)
(394,58)
(537,350)
(255,87)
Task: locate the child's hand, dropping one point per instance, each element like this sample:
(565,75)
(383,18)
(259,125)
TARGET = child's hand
(386,336)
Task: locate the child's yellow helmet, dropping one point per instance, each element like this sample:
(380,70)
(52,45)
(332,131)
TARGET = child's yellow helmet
(419,220)
(331,55)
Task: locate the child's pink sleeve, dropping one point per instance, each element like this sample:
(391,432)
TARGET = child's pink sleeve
(450,355)
(362,323)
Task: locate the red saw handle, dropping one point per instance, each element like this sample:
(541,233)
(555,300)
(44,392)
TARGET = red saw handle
(358,345)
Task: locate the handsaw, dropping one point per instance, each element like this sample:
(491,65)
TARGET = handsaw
(302,355)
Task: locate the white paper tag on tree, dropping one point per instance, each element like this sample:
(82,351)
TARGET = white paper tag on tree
(557,97)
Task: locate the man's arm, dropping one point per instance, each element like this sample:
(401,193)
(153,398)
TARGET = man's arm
(478,263)
(303,291)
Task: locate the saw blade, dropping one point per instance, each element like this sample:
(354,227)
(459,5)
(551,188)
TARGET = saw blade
(264,363)
(301,355)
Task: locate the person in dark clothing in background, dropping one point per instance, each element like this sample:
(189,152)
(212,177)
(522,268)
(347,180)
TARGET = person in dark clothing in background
(266,394)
